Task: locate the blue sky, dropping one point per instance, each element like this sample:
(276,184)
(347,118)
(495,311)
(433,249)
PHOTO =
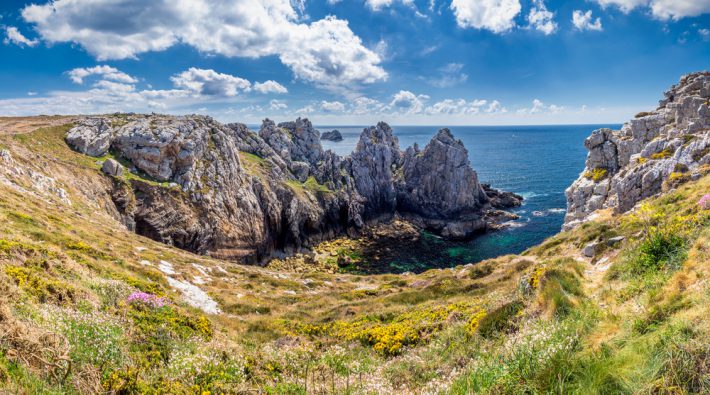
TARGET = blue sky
(433,62)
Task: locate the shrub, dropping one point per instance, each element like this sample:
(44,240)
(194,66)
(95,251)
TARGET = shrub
(680,168)
(665,154)
(660,249)
(675,179)
(39,286)
(500,319)
(596,174)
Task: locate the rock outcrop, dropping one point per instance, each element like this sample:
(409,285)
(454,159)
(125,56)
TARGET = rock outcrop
(334,135)
(236,194)
(654,151)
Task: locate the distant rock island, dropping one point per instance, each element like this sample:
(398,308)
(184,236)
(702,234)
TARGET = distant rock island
(653,152)
(333,135)
(227,191)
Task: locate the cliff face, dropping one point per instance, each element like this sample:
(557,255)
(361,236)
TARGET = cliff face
(654,151)
(235,194)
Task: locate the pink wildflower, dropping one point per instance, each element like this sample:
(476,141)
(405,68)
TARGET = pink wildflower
(147,299)
(704,202)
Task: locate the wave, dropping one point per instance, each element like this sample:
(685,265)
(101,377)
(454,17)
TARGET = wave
(549,211)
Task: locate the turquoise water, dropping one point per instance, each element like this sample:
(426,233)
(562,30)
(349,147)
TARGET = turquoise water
(538,162)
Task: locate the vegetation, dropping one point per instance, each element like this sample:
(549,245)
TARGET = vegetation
(665,154)
(596,174)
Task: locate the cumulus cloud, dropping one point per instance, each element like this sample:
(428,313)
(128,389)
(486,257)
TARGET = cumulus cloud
(541,19)
(539,107)
(309,109)
(495,15)
(704,34)
(407,102)
(332,106)
(464,107)
(663,9)
(210,83)
(325,52)
(12,35)
(459,106)
(623,5)
(277,105)
(77,75)
(449,75)
(584,21)
(496,108)
(377,5)
(270,86)
(365,105)
(677,9)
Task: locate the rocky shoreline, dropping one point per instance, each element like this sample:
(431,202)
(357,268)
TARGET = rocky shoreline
(236,194)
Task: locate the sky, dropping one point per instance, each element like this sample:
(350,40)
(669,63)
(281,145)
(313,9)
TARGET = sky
(351,62)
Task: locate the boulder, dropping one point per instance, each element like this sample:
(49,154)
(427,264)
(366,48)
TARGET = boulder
(111,167)
(591,249)
(92,136)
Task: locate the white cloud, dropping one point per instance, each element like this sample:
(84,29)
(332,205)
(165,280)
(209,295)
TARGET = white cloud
(541,19)
(325,52)
(407,102)
(309,109)
(663,9)
(463,107)
(210,83)
(538,107)
(106,72)
(449,75)
(495,15)
(496,108)
(277,105)
(377,5)
(456,106)
(332,106)
(365,105)
(583,21)
(704,34)
(677,9)
(624,5)
(269,86)
(12,35)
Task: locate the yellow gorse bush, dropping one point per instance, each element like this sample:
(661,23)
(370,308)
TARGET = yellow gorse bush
(408,329)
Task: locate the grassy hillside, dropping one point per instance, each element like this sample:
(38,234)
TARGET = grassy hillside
(87,306)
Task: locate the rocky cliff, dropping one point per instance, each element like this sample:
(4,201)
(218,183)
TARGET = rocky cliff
(236,194)
(655,151)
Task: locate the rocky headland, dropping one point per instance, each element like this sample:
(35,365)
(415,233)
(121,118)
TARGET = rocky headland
(653,152)
(233,193)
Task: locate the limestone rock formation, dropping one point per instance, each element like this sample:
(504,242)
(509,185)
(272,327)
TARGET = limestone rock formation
(653,151)
(236,194)
(334,135)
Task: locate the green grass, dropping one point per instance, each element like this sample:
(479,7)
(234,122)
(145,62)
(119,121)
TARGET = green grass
(311,184)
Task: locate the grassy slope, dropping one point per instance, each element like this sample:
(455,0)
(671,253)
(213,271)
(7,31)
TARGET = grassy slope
(546,321)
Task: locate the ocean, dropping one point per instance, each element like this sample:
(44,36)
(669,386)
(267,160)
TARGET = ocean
(537,162)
